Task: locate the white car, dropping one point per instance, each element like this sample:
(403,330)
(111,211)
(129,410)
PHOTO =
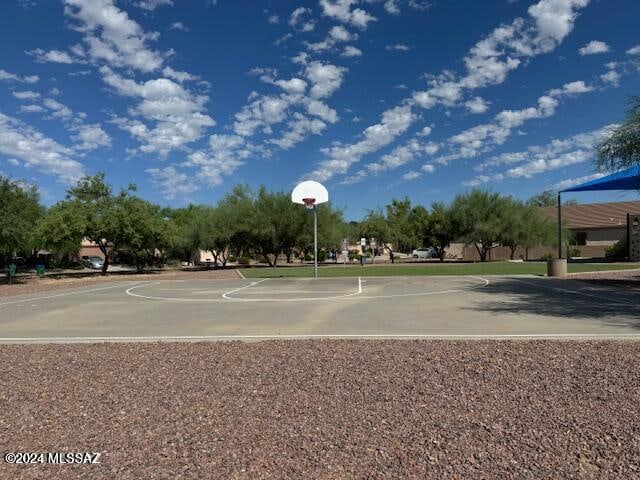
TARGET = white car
(423,252)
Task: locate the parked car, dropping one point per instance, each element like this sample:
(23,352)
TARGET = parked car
(424,252)
(93,262)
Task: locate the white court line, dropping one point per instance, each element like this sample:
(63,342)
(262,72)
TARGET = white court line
(224,295)
(351,296)
(26,300)
(240,274)
(308,299)
(577,292)
(312,336)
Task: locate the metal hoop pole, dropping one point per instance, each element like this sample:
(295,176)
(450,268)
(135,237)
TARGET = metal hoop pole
(315,242)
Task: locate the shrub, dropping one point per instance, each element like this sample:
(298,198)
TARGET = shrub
(618,251)
(548,256)
(322,256)
(573,252)
(244,261)
(232,258)
(308,257)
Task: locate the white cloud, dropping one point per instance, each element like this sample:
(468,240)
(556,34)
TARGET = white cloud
(19,140)
(112,37)
(32,109)
(412,175)
(90,137)
(351,51)
(570,89)
(392,8)
(399,156)
(425,131)
(173,183)
(341,34)
(399,47)
(336,35)
(53,56)
(394,122)
(261,113)
(325,77)
(26,95)
(322,110)
(611,77)
(554,20)
(178,115)
(634,50)
(298,129)
(572,182)
(225,154)
(178,76)
(178,26)
(12,77)
(420,4)
(487,63)
(57,109)
(293,85)
(152,4)
(477,105)
(594,47)
(536,159)
(297,21)
(427,167)
(341,10)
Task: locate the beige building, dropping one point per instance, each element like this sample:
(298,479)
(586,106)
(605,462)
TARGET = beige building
(594,226)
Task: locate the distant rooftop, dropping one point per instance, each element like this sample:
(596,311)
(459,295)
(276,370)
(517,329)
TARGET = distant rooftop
(596,215)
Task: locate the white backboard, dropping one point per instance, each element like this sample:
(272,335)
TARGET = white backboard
(310,189)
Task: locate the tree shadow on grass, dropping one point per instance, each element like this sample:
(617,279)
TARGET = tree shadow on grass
(560,298)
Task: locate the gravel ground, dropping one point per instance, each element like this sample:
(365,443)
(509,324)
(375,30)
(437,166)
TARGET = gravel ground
(325,409)
(628,279)
(37,285)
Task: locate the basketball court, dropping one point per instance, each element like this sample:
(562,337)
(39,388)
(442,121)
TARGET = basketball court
(365,307)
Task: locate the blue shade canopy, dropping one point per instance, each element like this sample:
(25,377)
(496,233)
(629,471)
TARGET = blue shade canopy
(624,180)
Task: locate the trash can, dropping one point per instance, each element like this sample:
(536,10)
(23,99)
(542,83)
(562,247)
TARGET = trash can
(11,272)
(40,269)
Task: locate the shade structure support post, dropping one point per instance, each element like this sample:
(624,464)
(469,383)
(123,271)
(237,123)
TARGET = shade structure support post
(315,242)
(559,225)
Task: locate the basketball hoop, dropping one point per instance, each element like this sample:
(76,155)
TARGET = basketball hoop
(310,194)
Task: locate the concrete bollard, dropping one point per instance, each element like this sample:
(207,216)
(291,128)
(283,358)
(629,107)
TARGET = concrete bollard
(557,267)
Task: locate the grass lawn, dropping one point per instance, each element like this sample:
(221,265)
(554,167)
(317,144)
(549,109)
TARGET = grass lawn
(490,268)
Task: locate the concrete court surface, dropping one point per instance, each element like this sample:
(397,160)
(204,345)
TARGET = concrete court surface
(404,307)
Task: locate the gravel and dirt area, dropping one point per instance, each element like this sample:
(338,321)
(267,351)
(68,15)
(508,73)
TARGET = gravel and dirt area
(25,286)
(629,280)
(325,409)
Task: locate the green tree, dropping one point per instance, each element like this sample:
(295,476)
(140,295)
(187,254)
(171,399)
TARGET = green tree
(479,217)
(62,229)
(93,198)
(621,147)
(440,229)
(20,210)
(548,199)
(544,199)
(139,230)
(375,225)
(515,224)
(401,225)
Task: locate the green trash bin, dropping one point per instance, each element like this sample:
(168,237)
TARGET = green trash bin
(40,269)
(11,272)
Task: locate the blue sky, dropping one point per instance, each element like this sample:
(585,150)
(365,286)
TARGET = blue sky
(375,98)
